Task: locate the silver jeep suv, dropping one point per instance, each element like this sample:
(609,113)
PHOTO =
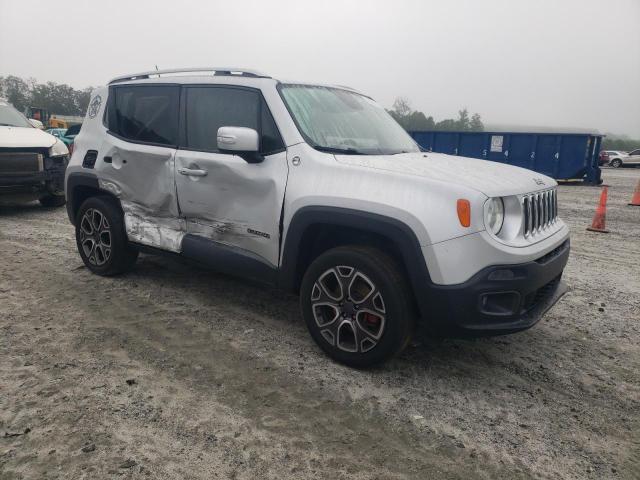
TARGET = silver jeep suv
(317,190)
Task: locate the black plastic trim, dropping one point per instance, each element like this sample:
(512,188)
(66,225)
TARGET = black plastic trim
(458,307)
(17,179)
(90,158)
(228,259)
(75,180)
(398,232)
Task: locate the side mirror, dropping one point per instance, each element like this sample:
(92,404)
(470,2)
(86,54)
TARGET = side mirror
(242,141)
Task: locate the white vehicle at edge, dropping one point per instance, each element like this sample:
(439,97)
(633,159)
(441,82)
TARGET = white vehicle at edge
(32,162)
(316,190)
(618,159)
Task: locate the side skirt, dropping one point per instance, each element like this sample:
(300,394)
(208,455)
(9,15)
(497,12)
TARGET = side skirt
(227,259)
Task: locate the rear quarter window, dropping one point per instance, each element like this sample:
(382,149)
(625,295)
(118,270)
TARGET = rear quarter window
(145,114)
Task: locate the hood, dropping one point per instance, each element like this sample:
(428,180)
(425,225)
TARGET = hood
(25,137)
(491,178)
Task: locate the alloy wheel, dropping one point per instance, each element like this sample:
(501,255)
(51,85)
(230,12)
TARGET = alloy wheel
(95,237)
(348,309)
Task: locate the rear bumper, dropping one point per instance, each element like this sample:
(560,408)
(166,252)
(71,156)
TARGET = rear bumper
(501,298)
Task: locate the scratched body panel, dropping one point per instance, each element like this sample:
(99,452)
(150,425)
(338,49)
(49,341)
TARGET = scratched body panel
(142,177)
(236,203)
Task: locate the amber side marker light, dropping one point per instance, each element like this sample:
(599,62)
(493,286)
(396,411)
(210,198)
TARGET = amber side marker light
(464,212)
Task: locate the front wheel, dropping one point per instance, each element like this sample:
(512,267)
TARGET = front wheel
(616,163)
(101,237)
(356,304)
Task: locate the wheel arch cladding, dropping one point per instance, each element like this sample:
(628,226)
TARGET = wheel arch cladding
(81,186)
(355,227)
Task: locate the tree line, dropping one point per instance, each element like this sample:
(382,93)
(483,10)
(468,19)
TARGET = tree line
(62,99)
(623,143)
(412,120)
(55,97)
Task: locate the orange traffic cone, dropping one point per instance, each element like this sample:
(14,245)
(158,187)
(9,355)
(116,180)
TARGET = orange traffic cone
(635,199)
(598,224)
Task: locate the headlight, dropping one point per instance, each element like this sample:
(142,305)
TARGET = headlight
(58,149)
(494,215)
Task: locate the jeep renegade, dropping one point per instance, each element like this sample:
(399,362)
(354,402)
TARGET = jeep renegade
(317,190)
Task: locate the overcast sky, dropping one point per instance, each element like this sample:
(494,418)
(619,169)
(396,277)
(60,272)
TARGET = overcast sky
(565,63)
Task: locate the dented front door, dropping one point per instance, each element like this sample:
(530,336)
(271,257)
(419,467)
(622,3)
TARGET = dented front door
(222,197)
(231,201)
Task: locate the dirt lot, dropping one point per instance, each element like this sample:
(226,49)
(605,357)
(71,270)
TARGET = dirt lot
(171,372)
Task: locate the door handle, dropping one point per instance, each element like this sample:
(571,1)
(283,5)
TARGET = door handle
(192,172)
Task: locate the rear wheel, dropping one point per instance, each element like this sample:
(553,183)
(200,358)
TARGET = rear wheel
(101,237)
(356,305)
(616,163)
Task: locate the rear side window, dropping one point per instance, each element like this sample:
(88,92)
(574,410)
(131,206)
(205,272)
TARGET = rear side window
(209,108)
(146,114)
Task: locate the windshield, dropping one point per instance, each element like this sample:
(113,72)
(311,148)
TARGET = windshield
(340,121)
(10,117)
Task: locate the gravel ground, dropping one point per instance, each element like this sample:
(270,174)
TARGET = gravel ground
(173,372)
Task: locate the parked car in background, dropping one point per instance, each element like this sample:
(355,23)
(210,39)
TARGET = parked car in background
(632,159)
(615,157)
(70,136)
(72,131)
(372,232)
(603,158)
(59,133)
(67,135)
(32,162)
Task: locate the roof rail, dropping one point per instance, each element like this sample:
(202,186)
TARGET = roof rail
(241,72)
(347,87)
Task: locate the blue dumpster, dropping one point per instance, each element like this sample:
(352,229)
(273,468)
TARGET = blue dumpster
(563,156)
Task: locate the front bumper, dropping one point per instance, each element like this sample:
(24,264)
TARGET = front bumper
(501,298)
(50,180)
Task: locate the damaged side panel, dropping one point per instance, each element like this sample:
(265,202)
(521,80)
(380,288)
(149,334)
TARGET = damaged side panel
(160,232)
(236,203)
(142,177)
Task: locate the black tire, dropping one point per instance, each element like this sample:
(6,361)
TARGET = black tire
(103,257)
(616,163)
(50,201)
(392,323)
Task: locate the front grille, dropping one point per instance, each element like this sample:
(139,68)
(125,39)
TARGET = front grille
(20,163)
(540,211)
(541,294)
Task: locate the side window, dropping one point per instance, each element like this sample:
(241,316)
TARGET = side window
(147,114)
(209,108)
